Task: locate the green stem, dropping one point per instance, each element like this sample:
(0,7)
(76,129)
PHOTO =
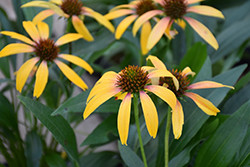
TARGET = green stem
(139,130)
(168,125)
(141,60)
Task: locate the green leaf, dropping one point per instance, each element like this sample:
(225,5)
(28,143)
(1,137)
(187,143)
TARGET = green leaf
(33,149)
(57,125)
(230,39)
(103,133)
(54,160)
(184,157)
(242,158)
(105,158)
(8,117)
(220,148)
(195,117)
(129,156)
(195,57)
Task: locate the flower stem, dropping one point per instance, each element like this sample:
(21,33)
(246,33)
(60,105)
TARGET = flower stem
(135,101)
(168,125)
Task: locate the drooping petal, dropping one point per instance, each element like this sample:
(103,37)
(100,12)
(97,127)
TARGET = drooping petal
(205,10)
(187,71)
(170,33)
(145,31)
(107,77)
(157,62)
(177,120)
(58,2)
(31,29)
(102,20)
(165,94)
(161,2)
(118,13)
(18,37)
(157,32)
(99,88)
(71,75)
(193,1)
(77,61)
(56,8)
(181,23)
(24,71)
(70,37)
(203,31)
(124,25)
(204,104)
(150,114)
(42,75)
(43,15)
(41,4)
(164,73)
(143,18)
(208,84)
(98,100)
(123,6)
(43,30)
(16,48)
(81,28)
(123,118)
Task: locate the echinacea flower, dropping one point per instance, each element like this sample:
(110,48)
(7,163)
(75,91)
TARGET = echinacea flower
(131,81)
(70,9)
(175,10)
(45,52)
(184,90)
(135,10)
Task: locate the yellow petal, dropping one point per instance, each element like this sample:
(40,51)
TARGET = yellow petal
(43,30)
(77,61)
(150,114)
(68,38)
(118,13)
(41,4)
(55,8)
(165,94)
(203,32)
(205,10)
(157,62)
(81,28)
(143,18)
(124,25)
(98,100)
(208,84)
(71,75)
(148,68)
(123,6)
(157,32)
(31,29)
(177,120)
(107,77)
(145,31)
(181,23)
(102,20)
(204,104)
(18,37)
(193,1)
(187,71)
(42,75)
(123,118)
(164,73)
(100,88)
(24,71)
(42,15)
(58,2)
(16,48)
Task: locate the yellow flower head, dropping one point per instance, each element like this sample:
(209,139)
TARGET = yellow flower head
(70,9)
(132,80)
(175,10)
(184,87)
(140,10)
(45,51)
